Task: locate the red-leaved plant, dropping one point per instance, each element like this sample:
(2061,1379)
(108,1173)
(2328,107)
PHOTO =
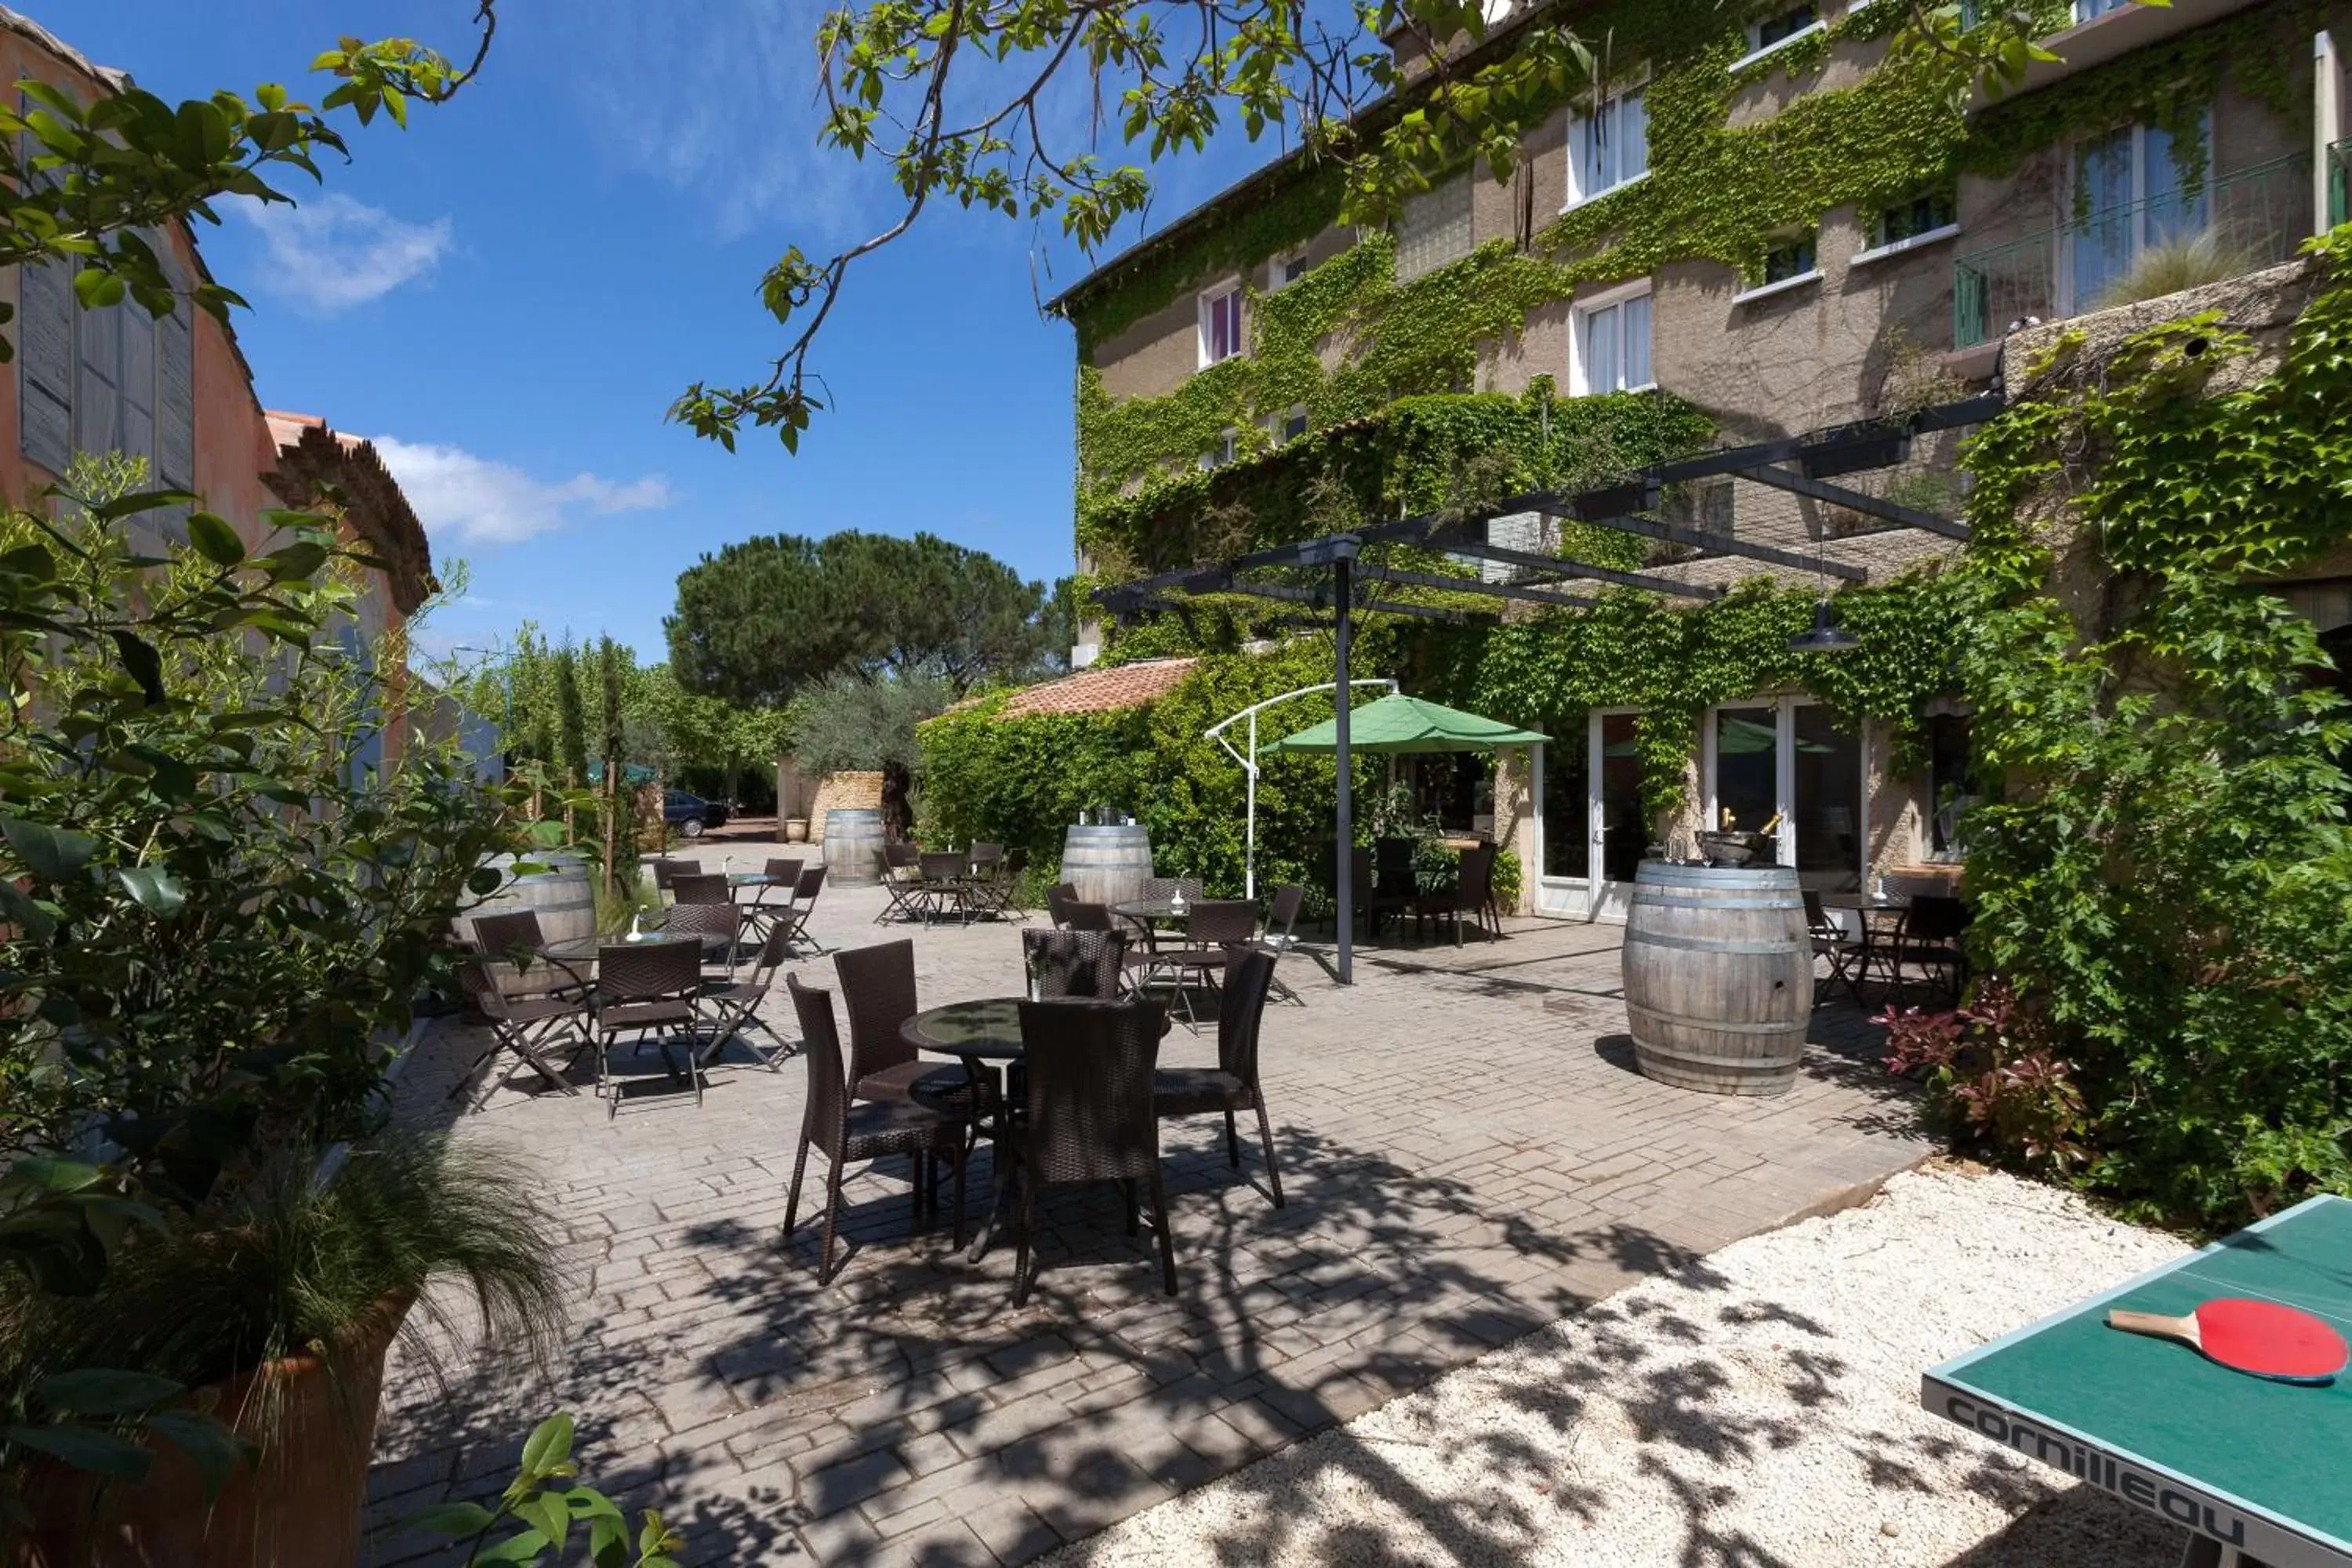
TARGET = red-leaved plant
(1994,1072)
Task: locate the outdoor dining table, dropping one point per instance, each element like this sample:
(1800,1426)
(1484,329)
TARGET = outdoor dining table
(985,1035)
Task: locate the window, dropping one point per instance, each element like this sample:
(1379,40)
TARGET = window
(1608,147)
(1293,424)
(1433,229)
(2090,10)
(114,380)
(1922,214)
(1287,270)
(1221,326)
(1790,259)
(1611,343)
(2130,195)
(1226,450)
(1705,506)
(1782,26)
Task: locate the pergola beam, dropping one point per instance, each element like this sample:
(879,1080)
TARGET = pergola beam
(1716,545)
(1284,593)
(1564,568)
(1868,505)
(1518,591)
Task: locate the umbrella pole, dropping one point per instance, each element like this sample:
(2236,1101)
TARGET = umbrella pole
(1344,829)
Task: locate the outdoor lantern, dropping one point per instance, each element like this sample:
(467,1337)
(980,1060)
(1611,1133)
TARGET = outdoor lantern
(1825,636)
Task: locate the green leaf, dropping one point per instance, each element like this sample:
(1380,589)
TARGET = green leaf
(207,1442)
(85,1448)
(51,854)
(549,1445)
(55,1175)
(214,537)
(97,289)
(550,1515)
(20,909)
(528,1546)
(154,890)
(483,881)
(454,1519)
(102,1391)
(144,664)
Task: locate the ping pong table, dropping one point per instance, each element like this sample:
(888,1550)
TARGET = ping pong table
(2259,1472)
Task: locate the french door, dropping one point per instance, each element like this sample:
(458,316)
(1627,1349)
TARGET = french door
(1589,821)
(1792,759)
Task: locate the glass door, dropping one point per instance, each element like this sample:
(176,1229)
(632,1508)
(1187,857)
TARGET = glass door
(1793,760)
(1591,823)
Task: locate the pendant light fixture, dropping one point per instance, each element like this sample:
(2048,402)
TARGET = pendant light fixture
(1826,636)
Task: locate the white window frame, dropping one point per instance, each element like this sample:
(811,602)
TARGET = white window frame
(1784,775)
(1274,279)
(1212,299)
(2092,10)
(1225,453)
(1579,309)
(2067,237)
(1919,241)
(1811,274)
(1758,51)
(1591,897)
(1584,114)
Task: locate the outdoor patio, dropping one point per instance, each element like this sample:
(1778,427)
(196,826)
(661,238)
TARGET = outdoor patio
(1466,1151)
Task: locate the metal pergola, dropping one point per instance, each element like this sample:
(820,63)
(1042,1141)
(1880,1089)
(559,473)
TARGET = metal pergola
(1804,466)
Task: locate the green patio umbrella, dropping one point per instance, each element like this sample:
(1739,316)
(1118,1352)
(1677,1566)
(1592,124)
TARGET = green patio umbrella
(1396,726)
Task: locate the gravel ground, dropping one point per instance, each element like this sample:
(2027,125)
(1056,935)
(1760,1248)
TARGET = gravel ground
(1758,1411)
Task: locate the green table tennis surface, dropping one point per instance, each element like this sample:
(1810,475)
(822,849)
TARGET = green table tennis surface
(2280,1450)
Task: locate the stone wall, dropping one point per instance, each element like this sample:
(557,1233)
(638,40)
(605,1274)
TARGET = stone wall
(843,791)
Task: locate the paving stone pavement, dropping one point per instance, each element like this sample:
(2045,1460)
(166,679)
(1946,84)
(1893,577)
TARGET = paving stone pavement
(1467,1154)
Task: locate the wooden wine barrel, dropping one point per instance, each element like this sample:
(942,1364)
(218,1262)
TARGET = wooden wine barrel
(1718,976)
(558,890)
(1106,865)
(853,847)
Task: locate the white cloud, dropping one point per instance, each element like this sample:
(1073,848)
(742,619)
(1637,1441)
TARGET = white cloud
(332,252)
(465,500)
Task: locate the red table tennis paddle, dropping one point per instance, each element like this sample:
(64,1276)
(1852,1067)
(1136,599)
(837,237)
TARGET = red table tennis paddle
(2261,1338)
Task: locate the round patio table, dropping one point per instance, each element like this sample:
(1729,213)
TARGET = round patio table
(1154,909)
(580,949)
(758,879)
(978,1032)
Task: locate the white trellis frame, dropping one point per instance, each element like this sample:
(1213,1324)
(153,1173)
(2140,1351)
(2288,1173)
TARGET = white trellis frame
(1216,732)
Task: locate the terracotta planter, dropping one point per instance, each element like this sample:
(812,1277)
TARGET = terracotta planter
(796,830)
(299,1505)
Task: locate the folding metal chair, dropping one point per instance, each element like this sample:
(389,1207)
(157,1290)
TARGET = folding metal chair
(734,1006)
(902,882)
(529,1027)
(794,922)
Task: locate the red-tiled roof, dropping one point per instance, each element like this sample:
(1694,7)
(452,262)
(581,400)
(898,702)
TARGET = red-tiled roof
(312,454)
(1104,690)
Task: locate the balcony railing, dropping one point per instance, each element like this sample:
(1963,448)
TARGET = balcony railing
(2255,218)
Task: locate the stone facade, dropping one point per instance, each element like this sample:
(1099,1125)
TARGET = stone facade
(842,791)
(1861,336)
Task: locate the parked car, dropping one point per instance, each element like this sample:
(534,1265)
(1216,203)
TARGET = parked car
(690,814)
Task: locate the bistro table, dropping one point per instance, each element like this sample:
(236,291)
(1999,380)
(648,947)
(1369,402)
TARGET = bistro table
(985,1035)
(1880,918)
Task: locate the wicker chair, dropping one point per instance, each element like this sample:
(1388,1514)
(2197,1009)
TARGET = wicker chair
(1233,1084)
(529,1027)
(1930,935)
(1065,964)
(878,988)
(1008,883)
(697,888)
(649,987)
(902,881)
(943,885)
(1088,1114)
(1078,915)
(1471,899)
(794,921)
(1212,929)
(843,1131)
(767,902)
(1058,900)
(667,869)
(734,1006)
(722,923)
(1830,942)
(1282,912)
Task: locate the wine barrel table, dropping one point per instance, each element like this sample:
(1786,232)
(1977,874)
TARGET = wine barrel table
(853,847)
(557,890)
(1107,865)
(1718,976)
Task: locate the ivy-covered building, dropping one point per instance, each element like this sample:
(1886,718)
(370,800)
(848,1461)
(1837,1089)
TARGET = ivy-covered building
(1768,219)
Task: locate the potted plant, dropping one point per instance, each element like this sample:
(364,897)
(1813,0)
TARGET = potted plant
(278,1306)
(796,830)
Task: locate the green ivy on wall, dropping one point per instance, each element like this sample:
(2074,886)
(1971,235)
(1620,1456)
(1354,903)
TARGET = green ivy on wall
(2163,870)
(1636,651)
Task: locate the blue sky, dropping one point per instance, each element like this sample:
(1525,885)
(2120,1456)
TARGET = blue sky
(507,296)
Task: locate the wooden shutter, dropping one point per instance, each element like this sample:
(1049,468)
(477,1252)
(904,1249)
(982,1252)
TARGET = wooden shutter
(97,393)
(175,399)
(45,351)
